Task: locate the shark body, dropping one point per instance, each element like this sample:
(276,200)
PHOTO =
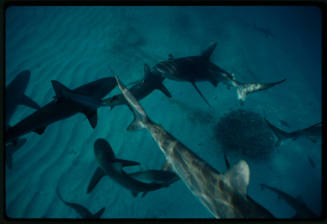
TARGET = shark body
(84,99)
(80,209)
(199,68)
(302,211)
(224,195)
(111,166)
(141,89)
(313,133)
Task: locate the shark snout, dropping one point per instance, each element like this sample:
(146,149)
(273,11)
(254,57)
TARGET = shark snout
(103,150)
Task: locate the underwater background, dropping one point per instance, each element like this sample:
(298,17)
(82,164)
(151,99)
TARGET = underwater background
(77,45)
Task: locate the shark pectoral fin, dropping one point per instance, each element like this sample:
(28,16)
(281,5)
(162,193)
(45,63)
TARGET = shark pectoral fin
(163,89)
(136,123)
(40,130)
(99,213)
(167,166)
(197,89)
(127,162)
(97,176)
(239,177)
(208,52)
(92,116)
(29,102)
(135,193)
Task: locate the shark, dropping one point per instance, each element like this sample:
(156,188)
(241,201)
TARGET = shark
(313,133)
(302,211)
(80,209)
(141,88)
(66,103)
(224,195)
(199,68)
(111,166)
(15,95)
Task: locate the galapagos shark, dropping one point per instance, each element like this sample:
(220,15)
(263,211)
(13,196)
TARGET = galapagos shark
(81,210)
(313,133)
(199,68)
(141,89)
(224,195)
(84,99)
(302,211)
(111,166)
(15,95)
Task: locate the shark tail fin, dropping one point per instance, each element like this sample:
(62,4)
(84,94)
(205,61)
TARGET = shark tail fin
(243,89)
(140,117)
(99,213)
(280,134)
(60,89)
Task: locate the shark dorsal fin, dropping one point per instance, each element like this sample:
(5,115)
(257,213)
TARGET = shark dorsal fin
(239,177)
(208,52)
(60,89)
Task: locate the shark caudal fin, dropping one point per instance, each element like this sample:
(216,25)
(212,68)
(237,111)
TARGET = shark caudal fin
(243,89)
(280,134)
(140,117)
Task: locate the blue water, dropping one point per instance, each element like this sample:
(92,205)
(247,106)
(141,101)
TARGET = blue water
(76,45)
